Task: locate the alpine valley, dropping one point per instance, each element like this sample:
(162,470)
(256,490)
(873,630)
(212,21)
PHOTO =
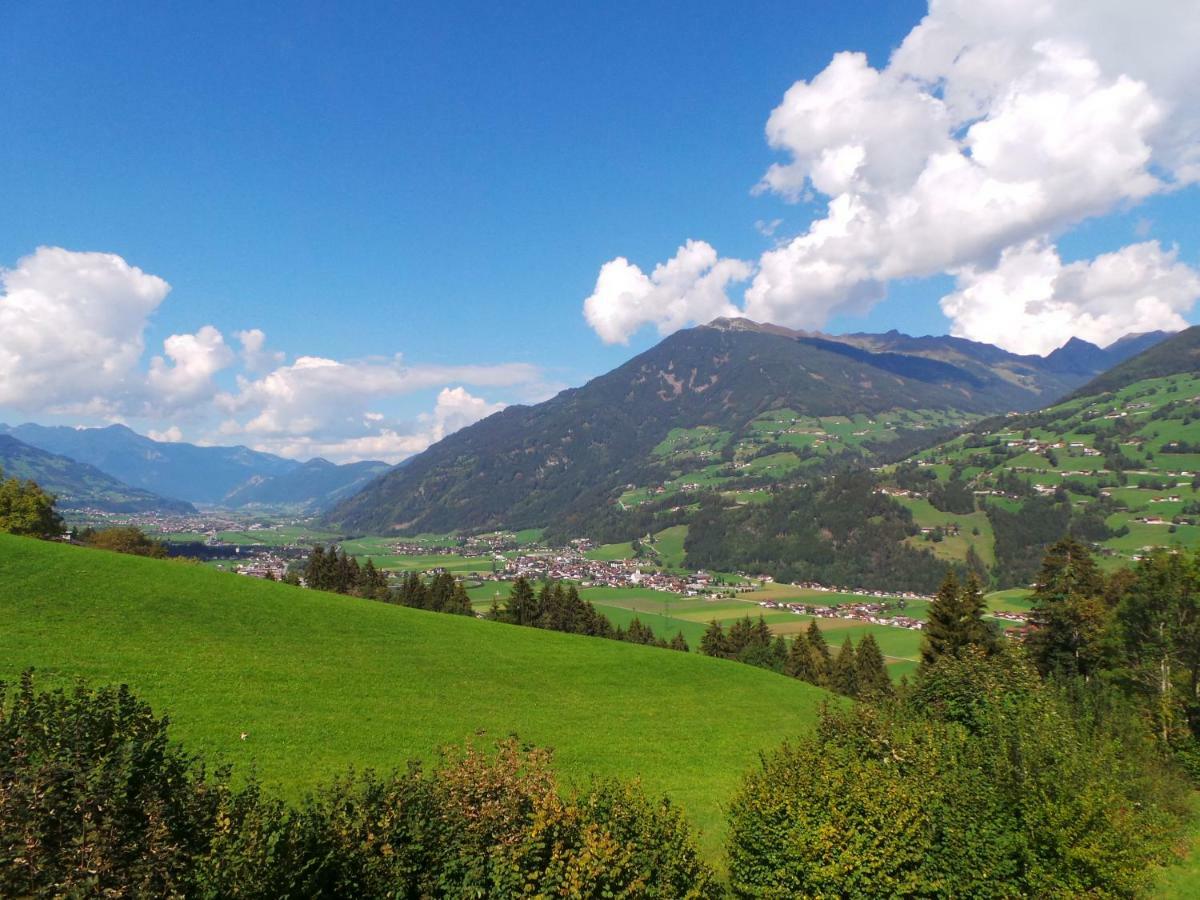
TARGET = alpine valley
(749,436)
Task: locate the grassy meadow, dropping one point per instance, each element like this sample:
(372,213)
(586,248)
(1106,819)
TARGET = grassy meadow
(321,682)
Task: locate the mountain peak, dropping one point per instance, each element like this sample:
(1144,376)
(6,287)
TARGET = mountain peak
(740,323)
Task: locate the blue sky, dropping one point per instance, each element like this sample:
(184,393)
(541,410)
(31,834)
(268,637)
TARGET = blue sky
(445,182)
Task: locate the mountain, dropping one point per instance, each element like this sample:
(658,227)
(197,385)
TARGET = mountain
(213,476)
(727,405)
(1116,464)
(1079,357)
(197,474)
(78,485)
(1176,354)
(314,486)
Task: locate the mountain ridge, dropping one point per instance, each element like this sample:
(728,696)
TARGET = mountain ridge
(210,476)
(78,485)
(565,458)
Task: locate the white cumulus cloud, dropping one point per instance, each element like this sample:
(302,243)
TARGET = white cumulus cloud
(255,355)
(71,329)
(454,408)
(72,344)
(194,360)
(689,287)
(1031,302)
(995,123)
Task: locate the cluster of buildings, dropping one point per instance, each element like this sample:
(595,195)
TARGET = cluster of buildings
(569,566)
(903,596)
(264,565)
(1010,616)
(874,613)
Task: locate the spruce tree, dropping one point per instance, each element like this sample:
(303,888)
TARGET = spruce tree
(802,662)
(459,603)
(679,643)
(955,620)
(522,604)
(639,633)
(1070,614)
(941,624)
(973,605)
(871,670)
(820,647)
(843,677)
(714,641)
(741,636)
(779,653)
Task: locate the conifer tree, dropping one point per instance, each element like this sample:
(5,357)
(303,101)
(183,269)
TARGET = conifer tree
(1069,612)
(316,569)
(801,662)
(679,642)
(821,656)
(941,630)
(462,602)
(871,670)
(779,653)
(714,641)
(843,676)
(740,636)
(522,604)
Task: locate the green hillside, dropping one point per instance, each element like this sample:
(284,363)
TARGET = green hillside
(1119,469)
(77,485)
(320,682)
(731,405)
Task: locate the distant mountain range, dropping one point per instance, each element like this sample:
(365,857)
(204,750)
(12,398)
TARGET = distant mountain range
(232,477)
(77,485)
(709,404)
(313,486)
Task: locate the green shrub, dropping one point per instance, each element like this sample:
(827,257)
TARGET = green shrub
(982,782)
(93,797)
(95,800)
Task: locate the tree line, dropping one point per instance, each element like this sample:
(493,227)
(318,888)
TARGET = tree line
(558,608)
(552,607)
(860,673)
(840,530)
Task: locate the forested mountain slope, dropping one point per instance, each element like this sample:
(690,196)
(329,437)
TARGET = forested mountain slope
(77,485)
(222,476)
(728,400)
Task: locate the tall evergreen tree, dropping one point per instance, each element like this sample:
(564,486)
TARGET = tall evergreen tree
(973,606)
(822,661)
(941,630)
(870,670)
(955,620)
(522,604)
(1069,613)
(843,677)
(714,641)
(802,662)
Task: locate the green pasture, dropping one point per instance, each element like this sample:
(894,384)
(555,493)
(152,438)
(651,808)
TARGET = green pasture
(320,682)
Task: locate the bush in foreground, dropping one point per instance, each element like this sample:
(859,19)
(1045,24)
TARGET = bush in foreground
(983,782)
(95,800)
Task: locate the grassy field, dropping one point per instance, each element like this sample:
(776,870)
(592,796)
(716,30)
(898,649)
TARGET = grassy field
(321,682)
(1182,880)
